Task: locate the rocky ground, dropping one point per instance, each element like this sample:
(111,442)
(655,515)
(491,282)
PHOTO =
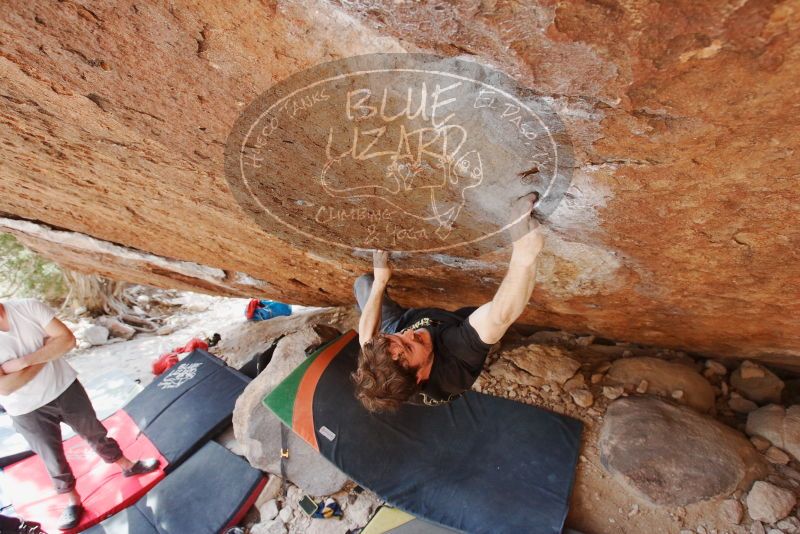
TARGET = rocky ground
(672,443)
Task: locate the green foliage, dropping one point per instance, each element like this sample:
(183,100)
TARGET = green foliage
(24,273)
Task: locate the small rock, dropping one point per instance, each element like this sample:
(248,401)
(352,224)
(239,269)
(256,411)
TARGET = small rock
(790,525)
(167,329)
(627,354)
(634,510)
(749,370)
(582,397)
(663,377)
(96,335)
(117,328)
(724,387)
(777,456)
(740,405)
(597,378)
(774,531)
(757,528)
(716,367)
(550,363)
(268,510)
(769,503)
(779,425)
(757,383)
(273,526)
(584,341)
(760,443)
(677,394)
(270,491)
(508,371)
(576,382)
(612,392)
(285,514)
(731,511)
(642,387)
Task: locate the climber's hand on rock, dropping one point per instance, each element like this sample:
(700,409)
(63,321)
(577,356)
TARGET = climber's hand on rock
(382,271)
(526,232)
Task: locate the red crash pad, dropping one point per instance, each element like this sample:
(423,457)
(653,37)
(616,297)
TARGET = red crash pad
(103,488)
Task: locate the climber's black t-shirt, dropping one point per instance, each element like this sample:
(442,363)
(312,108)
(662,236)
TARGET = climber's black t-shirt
(458,352)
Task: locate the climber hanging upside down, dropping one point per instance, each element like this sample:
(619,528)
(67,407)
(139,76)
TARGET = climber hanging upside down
(430,355)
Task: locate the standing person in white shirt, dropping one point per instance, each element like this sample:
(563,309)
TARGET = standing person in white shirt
(39,390)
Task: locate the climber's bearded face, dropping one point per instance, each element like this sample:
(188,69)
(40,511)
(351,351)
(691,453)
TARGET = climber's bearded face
(412,348)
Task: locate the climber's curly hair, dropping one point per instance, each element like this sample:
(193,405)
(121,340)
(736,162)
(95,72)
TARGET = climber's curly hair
(382,384)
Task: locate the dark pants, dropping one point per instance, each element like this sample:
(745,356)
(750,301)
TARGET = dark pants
(390,310)
(42,430)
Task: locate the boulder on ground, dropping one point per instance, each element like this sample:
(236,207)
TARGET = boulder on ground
(549,362)
(662,378)
(757,383)
(769,503)
(673,456)
(779,425)
(258,430)
(242,341)
(95,335)
(117,328)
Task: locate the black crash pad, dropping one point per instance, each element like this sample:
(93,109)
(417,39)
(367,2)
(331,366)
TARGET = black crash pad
(477,464)
(210,491)
(187,405)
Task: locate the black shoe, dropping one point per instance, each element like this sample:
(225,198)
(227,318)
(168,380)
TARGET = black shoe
(70,517)
(141,467)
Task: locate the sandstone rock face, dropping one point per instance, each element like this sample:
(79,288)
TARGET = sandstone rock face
(115,116)
(673,456)
(258,430)
(663,378)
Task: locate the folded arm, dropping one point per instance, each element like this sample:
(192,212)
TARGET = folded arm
(19,371)
(9,383)
(493,319)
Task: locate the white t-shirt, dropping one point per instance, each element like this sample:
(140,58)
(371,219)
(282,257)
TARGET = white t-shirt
(27,319)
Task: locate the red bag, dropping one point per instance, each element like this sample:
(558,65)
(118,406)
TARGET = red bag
(165,361)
